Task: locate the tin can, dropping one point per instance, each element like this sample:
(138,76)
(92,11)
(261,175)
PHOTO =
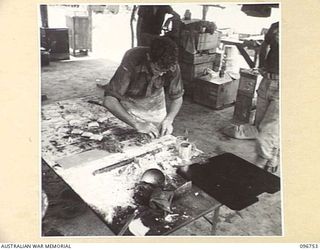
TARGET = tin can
(187,15)
(185,151)
(179,140)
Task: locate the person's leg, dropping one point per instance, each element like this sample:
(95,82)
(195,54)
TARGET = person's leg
(268,139)
(262,105)
(262,101)
(269,133)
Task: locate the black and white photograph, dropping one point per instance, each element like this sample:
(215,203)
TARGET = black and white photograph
(160,120)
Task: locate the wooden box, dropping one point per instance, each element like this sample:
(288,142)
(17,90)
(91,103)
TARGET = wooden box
(207,41)
(45,58)
(190,71)
(215,92)
(245,102)
(243,109)
(55,41)
(248,82)
(197,58)
(78,33)
(194,41)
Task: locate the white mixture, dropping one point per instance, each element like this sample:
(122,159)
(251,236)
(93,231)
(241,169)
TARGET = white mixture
(107,191)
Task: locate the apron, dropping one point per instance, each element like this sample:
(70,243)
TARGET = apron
(151,109)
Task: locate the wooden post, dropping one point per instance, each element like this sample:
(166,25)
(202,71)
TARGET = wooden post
(131,24)
(205,9)
(89,8)
(44,15)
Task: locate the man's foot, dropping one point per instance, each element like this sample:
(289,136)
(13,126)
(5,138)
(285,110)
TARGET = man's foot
(271,169)
(272,164)
(268,165)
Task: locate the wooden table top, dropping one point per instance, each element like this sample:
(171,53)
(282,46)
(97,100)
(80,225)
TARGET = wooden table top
(57,138)
(110,194)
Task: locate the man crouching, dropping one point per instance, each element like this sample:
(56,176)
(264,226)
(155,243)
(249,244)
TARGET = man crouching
(136,95)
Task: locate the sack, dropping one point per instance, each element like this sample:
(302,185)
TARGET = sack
(161,199)
(242,132)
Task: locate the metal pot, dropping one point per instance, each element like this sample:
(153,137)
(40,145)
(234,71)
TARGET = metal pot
(153,176)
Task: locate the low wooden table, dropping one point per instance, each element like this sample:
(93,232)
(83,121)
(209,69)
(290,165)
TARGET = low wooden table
(109,194)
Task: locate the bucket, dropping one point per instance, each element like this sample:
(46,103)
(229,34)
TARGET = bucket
(185,151)
(231,58)
(232,64)
(230,51)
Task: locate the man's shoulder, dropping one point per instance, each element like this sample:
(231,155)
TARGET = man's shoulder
(274,28)
(168,9)
(144,9)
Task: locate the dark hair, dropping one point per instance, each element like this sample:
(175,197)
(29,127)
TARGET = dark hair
(164,52)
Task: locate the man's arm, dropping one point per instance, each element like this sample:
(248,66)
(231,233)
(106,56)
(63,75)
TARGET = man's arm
(265,47)
(264,50)
(174,107)
(115,107)
(139,23)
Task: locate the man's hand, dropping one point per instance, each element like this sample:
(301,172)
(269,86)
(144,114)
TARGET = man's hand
(166,127)
(147,128)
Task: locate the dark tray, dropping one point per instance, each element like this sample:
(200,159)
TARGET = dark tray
(231,180)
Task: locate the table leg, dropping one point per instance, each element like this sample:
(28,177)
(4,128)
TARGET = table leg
(214,221)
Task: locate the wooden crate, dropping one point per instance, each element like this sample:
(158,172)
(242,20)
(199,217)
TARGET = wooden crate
(245,104)
(56,41)
(207,41)
(216,92)
(45,58)
(190,71)
(197,58)
(248,82)
(78,33)
(243,109)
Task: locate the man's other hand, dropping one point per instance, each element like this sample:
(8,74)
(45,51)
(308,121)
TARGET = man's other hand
(166,127)
(147,128)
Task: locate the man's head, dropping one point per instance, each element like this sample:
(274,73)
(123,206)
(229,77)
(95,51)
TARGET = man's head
(163,54)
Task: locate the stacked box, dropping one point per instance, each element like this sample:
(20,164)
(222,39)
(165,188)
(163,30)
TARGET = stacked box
(214,91)
(190,71)
(196,58)
(245,103)
(194,65)
(207,41)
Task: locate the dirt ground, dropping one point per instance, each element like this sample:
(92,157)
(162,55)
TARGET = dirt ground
(79,77)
